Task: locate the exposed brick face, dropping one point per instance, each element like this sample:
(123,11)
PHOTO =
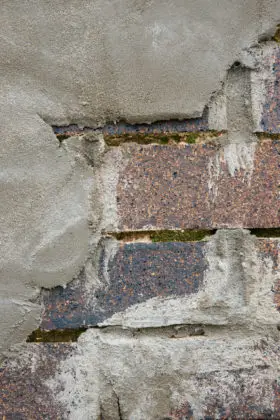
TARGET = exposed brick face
(190,187)
(141,271)
(136,273)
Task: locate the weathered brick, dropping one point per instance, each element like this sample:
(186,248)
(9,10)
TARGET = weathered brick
(195,186)
(270,115)
(24,394)
(137,273)
(236,375)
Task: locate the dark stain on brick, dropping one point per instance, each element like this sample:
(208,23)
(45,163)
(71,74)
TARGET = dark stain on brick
(138,272)
(271,109)
(184,412)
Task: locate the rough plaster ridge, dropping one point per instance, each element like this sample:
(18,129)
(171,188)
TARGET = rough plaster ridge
(237,290)
(111,364)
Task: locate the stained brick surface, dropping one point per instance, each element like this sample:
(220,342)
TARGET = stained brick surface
(190,186)
(138,272)
(23,392)
(270,119)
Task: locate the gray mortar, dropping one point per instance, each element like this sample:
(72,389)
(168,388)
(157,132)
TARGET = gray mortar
(91,61)
(44,206)
(133,377)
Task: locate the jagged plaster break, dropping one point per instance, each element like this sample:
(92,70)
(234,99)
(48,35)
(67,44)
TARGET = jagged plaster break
(97,61)
(237,290)
(44,205)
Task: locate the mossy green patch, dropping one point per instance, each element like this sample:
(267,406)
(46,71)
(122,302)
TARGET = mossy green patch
(164,235)
(63,136)
(276,36)
(272,136)
(161,138)
(55,336)
(180,235)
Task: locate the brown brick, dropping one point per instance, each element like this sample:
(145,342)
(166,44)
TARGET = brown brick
(23,392)
(190,187)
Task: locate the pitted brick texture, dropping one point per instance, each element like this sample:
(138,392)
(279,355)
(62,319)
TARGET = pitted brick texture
(270,119)
(24,394)
(190,186)
(138,272)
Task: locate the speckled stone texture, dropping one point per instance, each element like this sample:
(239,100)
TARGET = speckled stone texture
(270,119)
(199,186)
(136,273)
(207,378)
(23,392)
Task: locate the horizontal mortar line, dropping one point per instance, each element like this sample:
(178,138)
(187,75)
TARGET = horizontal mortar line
(179,235)
(120,127)
(163,137)
(172,331)
(185,235)
(72,334)
(263,135)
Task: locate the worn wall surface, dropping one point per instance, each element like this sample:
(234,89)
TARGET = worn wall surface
(139,209)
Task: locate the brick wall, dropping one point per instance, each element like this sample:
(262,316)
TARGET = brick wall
(174,312)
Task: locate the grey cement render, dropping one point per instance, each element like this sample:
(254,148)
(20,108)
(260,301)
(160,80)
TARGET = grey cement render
(128,375)
(88,62)
(44,205)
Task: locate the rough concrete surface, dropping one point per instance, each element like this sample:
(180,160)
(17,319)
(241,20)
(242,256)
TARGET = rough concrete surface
(89,61)
(182,330)
(152,374)
(44,206)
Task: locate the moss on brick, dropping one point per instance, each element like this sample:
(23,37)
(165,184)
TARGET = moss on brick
(276,36)
(55,336)
(180,236)
(265,136)
(160,138)
(164,235)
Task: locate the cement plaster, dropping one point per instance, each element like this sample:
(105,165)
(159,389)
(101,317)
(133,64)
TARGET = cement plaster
(88,61)
(44,205)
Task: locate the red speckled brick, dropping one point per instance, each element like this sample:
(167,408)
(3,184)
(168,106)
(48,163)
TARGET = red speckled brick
(190,187)
(23,392)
